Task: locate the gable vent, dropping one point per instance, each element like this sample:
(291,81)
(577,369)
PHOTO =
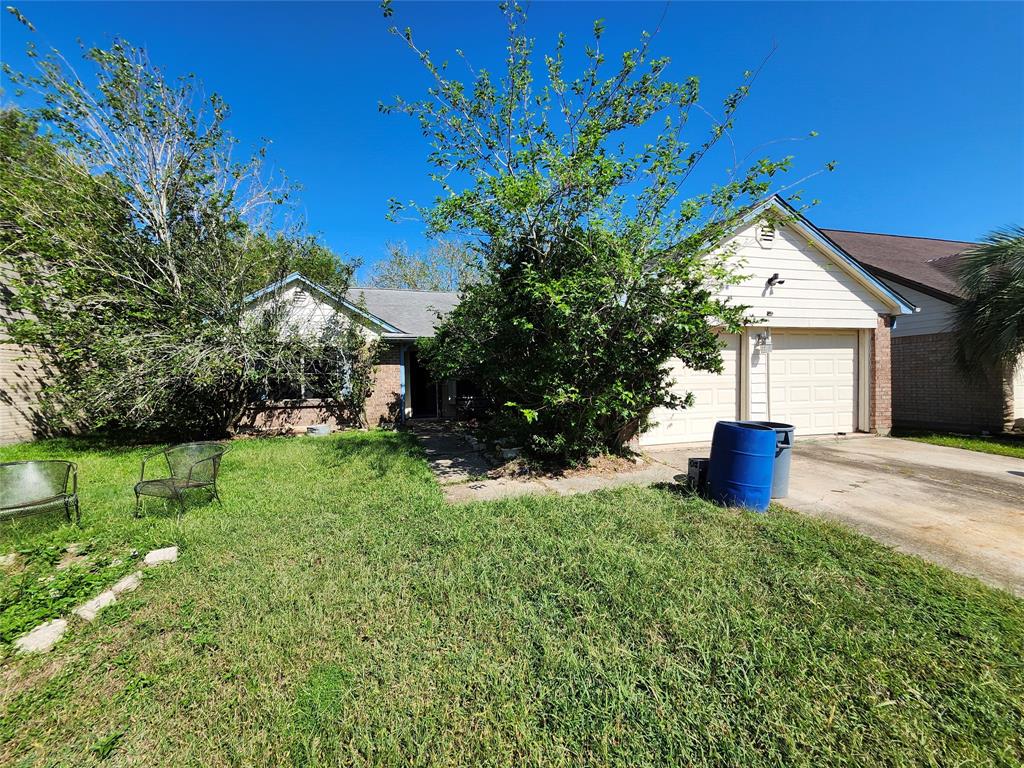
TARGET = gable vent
(766,233)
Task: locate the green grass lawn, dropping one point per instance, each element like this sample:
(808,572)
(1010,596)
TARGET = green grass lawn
(336,611)
(1002,446)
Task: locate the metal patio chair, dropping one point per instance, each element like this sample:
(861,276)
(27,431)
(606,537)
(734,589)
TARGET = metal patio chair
(191,465)
(28,487)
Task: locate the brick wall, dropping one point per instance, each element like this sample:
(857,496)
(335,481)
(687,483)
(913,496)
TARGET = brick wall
(382,407)
(929,392)
(881,378)
(21,378)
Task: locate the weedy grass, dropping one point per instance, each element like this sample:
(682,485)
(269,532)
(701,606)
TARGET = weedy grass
(336,611)
(1001,446)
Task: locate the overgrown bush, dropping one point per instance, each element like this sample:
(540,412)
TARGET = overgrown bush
(598,269)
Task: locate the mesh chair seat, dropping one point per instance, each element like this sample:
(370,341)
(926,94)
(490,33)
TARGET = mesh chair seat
(28,487)
(191,465)
(168,487)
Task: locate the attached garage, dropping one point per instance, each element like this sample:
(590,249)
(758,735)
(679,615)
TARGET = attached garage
(816,354)
(715,397)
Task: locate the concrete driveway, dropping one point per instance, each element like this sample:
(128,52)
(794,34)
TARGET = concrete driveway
(957,508)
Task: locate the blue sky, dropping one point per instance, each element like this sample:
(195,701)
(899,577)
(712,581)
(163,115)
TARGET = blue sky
(921,105)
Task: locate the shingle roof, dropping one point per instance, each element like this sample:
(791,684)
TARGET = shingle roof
(920,262)
(413,312)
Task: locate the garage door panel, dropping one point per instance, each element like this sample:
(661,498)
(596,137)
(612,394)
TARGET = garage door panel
(814,380)
(715,397)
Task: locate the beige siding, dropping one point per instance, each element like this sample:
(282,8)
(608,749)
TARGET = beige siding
(310,313)
(934,315)
(818,292)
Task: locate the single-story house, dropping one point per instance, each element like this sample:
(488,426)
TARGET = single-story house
(816,354)
(928,390)
(402,388)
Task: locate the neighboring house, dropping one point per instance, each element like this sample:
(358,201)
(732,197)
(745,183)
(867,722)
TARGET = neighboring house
(929,391)
(817,357)
(21,378)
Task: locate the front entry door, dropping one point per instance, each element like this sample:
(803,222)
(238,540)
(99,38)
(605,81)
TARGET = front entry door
(424,391)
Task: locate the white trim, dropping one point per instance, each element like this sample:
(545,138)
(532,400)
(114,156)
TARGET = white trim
(744,392)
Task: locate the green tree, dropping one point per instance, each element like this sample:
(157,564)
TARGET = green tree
(133,240)
(990,318)
(444,266)
(597,270)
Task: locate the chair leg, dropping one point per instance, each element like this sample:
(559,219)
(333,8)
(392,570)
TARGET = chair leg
(138,505)
(67,509)
(217,495)
(78,512)
(181,504)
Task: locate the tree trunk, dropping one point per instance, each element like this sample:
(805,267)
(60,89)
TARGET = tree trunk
(1006,380)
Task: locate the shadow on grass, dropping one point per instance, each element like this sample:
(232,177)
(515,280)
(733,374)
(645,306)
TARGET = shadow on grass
(381,451)
(37,524)
(79,445)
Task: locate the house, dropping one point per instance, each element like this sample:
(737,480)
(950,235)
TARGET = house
(816,354)
(402,388)
(928,390)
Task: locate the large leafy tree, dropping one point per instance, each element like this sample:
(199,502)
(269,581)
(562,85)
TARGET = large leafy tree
(132,239)
(444,266)
(990,318)
(599,266)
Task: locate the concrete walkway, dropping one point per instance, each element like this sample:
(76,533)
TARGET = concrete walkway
(960,509)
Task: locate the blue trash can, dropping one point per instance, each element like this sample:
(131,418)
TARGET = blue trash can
(742,464)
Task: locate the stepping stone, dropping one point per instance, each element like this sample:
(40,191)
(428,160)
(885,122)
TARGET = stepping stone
(129,583)
(89,610)
(9,561)
(42,638)
(161,556)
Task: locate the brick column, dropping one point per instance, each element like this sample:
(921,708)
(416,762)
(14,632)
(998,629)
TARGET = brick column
(383,406)
(881,377)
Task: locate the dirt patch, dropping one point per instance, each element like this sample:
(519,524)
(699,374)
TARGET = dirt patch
(601,466)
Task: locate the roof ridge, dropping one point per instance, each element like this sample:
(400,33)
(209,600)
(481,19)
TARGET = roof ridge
(906,237)
(400,290)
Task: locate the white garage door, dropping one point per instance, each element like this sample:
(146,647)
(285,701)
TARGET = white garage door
(716,396)
(813,380)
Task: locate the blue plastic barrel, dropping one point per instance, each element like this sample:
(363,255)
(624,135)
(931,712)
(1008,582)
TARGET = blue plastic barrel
(742,461)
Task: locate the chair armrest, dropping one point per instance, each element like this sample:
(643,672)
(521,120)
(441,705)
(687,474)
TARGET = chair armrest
(147,457)
(74,479)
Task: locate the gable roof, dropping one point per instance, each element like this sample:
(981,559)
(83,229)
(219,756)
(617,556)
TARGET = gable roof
(397,313)
(831,248)
(296,278)
(921,262)
(414,313)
